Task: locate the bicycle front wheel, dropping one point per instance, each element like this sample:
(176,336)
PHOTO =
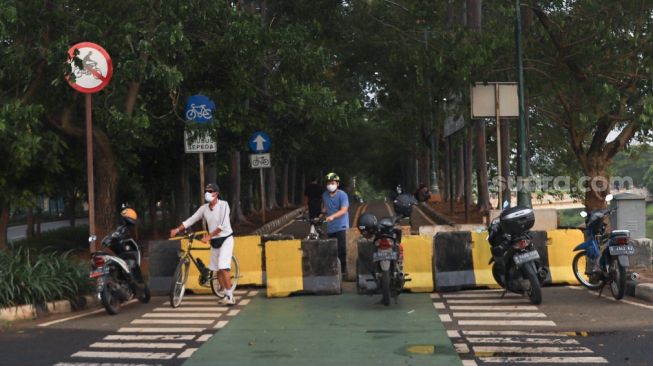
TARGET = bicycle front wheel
(178,286)
(234,275)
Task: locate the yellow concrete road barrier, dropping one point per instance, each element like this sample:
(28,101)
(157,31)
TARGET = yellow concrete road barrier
(283,264)
(249,252)
(418,262)
(560,246)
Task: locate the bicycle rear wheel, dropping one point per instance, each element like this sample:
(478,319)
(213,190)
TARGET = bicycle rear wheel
(234,275)
(178,287)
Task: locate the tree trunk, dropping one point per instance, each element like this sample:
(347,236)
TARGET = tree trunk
(597,184)
(182,197)
(152,199)
(445,164)
(460,172)
(293,182)
(468,165)
(474,8)
(483,203)
(285,202)
(29,229)
(272,189)
(4,224)
(106,185)
(69,206)
(505,158)
(237,215)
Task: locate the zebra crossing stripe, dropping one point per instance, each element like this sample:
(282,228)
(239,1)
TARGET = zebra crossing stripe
(253,293)
(182,315)
(445,318)
(502,340)
(434,296)
(482,295)
(201,308)
(494,307)
(438,305)
(499,315)
(461,348)
(137,345)
(233,312)
(125,355)
(187,353)
(542,360)
(150,337)
(103,364)
(160,330)
(511,333)
(204,337)
(172,321)
(244,302)
(453,334)
(481,301)
(513,350)
(469,363)
(221,324)
(533,323)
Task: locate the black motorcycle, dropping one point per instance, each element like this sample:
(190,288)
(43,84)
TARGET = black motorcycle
(119,276)
(387,255)
(517,266)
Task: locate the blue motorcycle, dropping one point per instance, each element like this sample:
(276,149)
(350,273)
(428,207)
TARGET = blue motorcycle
(603,258)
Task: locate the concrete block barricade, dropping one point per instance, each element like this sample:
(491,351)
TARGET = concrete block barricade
(283,265)
(418,253)
(641,260)
(560,246)
(249,252)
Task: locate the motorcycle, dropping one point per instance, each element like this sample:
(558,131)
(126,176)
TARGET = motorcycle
(118,277)
(387,255)
(515,261)
(603,258)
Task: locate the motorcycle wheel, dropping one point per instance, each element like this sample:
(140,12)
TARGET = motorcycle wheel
(578,265)
(385,287)
(359,289)
(497,273)
(145,295)
(535,290)
(178,286)
(618,279)
(110,302)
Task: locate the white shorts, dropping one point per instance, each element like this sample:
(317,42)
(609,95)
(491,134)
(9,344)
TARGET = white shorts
(221,258)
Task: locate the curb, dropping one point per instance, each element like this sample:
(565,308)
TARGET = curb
(270,226)
(642,291)
(25,312)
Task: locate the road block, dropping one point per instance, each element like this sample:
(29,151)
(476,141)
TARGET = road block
(561,244)
(306,266)
(418,253)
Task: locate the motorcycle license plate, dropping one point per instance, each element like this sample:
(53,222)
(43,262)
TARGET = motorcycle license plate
(99,272)
(382,256)
(621,250)
(526,257)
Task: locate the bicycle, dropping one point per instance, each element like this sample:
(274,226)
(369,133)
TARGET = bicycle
(315,232)
(207,277)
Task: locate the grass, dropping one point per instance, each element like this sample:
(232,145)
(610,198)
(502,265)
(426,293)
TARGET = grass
(571,217)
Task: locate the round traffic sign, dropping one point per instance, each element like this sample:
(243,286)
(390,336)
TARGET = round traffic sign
(95,71)
(260,142)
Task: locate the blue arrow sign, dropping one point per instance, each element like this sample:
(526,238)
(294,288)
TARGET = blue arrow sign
(199,108)
(260,142)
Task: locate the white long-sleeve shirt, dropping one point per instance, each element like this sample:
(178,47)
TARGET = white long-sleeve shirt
(217,217)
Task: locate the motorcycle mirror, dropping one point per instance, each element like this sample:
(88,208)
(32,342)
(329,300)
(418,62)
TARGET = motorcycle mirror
(506,204)
(583,214)
(92,238)
(479,229)
(609,197)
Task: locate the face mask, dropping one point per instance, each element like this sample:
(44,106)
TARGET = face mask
(208,196)
(332,187)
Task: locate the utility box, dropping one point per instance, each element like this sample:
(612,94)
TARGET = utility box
(630,215)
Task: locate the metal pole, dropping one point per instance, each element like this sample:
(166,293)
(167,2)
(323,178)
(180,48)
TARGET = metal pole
(262,196)
(466,178)
(451,197)
(89,170)
(202,185)
(524,194)
(434,177)
(498,118)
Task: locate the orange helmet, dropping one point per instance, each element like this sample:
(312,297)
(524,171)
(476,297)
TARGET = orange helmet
(129,215)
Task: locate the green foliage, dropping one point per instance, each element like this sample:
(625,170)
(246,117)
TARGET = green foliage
(571,217)
(28,277)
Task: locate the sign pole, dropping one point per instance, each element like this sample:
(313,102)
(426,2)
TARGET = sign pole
(262,195)
(202,185)
(89,169)
(498,118)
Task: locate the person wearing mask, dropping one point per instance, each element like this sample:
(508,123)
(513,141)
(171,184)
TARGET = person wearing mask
(335,203)
(220,235)
(313,198)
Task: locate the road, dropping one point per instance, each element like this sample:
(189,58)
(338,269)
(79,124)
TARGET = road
(571,326)
(18,231)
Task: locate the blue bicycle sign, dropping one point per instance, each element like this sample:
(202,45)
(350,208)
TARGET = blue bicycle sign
(199,108)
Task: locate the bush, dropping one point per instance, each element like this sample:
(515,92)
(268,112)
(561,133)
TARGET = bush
(29,277)
(61,240)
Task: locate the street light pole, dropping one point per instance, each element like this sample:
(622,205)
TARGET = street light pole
(523,192)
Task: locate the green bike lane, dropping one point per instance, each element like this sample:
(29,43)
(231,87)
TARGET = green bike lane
(331,330)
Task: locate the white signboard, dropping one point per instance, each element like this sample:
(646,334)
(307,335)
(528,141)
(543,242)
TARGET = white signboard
(484,103)
(258,161)
(199,145)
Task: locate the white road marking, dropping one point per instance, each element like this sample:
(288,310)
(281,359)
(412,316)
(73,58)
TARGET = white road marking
(204,337)
(495,307)
(508,349)
(532,323)
(221,324)
(172,321)
(469,363)
(137,345)
(499,315)
(253,293)
(150,337)
(434,296)
(438,305)
(199,297)
(160,330)
(453,334)
(182,315)
(122,355)
(610,298)
(240,292)
(201,308)
(103,364)
(522,340)
(445,318)
(233,313)
(477,301)
(461,348)
(511,333)
(244,302)
(70,318)
(562,360)
(480,295)
(187,353)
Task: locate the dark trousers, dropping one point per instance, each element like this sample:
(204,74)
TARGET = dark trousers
(342,247)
